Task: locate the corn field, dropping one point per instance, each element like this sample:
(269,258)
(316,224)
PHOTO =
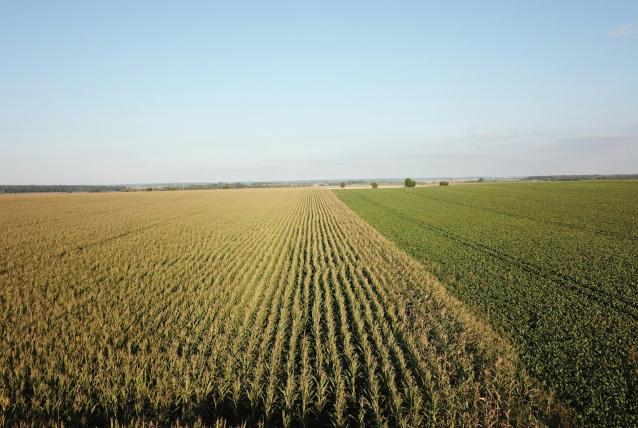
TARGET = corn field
(237,307)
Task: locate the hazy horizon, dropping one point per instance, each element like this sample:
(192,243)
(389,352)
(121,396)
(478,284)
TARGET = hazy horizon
(331,181)
(166,93)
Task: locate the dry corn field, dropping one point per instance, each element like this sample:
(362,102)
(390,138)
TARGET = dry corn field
(239,307)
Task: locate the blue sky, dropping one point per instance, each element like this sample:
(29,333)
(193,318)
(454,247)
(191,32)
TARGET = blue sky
(111,92)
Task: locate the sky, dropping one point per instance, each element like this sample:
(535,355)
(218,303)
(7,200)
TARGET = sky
(138,92)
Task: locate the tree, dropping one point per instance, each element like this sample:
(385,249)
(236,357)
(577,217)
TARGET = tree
(374,185)
(342,184)
(409,182)
(444,183)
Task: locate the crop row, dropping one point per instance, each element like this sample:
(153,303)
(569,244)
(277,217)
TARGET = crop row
(246,307)
(545,265)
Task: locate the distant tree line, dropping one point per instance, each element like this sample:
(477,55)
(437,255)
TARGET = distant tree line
(31,188)
(582,177)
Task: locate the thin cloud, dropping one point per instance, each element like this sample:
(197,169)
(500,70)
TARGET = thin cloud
(623,31)
(589,146)
(601,139)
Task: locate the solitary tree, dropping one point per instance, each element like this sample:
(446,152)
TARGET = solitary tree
(342,184)
(444,183)
(409,182)
(374,185)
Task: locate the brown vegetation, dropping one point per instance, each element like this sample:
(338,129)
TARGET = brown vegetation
(249,306)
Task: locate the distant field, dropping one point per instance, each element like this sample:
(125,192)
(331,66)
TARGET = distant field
(552,265)
(238,306)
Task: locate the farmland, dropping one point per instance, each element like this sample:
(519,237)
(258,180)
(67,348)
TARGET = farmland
(551,266)
(277,307)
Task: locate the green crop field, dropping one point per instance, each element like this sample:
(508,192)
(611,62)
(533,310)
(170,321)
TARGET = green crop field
(552,266)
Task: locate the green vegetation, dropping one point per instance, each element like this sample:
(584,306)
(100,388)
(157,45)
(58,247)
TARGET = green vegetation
(342,184)
(375,185)
(58,188)
(444,183)
(409,182)
(552,265)
(276,307)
